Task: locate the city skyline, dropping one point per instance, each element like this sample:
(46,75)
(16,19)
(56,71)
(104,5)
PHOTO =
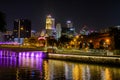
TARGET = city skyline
(94,14)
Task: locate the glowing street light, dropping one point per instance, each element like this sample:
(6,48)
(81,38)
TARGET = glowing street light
(107,41)
(21,28)
(77,37)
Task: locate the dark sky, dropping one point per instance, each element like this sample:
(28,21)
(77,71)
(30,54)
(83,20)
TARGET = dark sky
(95,14)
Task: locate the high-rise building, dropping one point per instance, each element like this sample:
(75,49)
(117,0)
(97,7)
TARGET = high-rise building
(22,28)
(58,30)
(69,30)
(84,30)
(69,24)
(50,22)
(50,25)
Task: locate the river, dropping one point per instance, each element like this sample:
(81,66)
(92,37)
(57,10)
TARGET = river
(36,68)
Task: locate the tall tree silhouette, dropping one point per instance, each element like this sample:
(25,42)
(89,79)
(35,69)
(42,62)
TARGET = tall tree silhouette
(2,22)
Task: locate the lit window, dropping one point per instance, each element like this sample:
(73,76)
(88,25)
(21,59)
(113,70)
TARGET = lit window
(21,28)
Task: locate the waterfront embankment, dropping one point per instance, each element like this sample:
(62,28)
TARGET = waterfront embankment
(21,48)
(92,59)
(94,56)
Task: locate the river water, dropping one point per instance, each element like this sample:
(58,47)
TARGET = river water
(36,68)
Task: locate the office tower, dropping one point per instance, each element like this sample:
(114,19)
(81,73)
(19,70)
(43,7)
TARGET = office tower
(85,30)
(58,30)
(69,24)
(50,25)
(22,28)
(50,22)
(69,30)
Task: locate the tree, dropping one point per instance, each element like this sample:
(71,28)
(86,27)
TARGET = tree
(102,44)
(51,41)
(2,22)
(64,39)
(32,41)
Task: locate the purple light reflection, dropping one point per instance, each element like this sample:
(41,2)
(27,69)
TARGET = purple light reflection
(27,61)
(6,61)
(30,62)
(27,54)
(37,55)
(31,54)
(0,53)
(9,43)
(23,54)
(31,59)
(20,53)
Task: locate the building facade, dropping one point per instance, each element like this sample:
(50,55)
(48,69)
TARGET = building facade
(50,25)
(58,31)
(22,28)
(69,30)
(69,24)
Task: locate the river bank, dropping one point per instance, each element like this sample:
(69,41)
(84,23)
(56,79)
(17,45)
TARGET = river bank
(76,55)
(21,48)
(92,59)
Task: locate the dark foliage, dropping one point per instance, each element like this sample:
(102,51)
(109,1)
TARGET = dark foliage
(64,39)
(2,22)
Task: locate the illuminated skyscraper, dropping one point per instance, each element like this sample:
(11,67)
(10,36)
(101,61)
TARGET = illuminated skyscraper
(84,30)
(50,25)
(69,24)
(58,31)
(50,22)
(69,30)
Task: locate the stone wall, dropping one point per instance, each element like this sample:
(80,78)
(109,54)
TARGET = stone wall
(89,59)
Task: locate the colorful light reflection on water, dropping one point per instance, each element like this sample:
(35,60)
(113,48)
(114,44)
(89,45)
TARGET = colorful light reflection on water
(16,65)
(30,66)
(30,54)
(9,53)
(24,59)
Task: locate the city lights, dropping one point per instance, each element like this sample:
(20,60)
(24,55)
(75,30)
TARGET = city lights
(59,40)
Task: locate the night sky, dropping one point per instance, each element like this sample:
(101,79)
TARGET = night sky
(95,14)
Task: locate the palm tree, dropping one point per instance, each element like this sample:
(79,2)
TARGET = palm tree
(2,22)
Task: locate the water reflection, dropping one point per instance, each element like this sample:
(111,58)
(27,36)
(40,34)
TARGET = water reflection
(27,66)
(75,71)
